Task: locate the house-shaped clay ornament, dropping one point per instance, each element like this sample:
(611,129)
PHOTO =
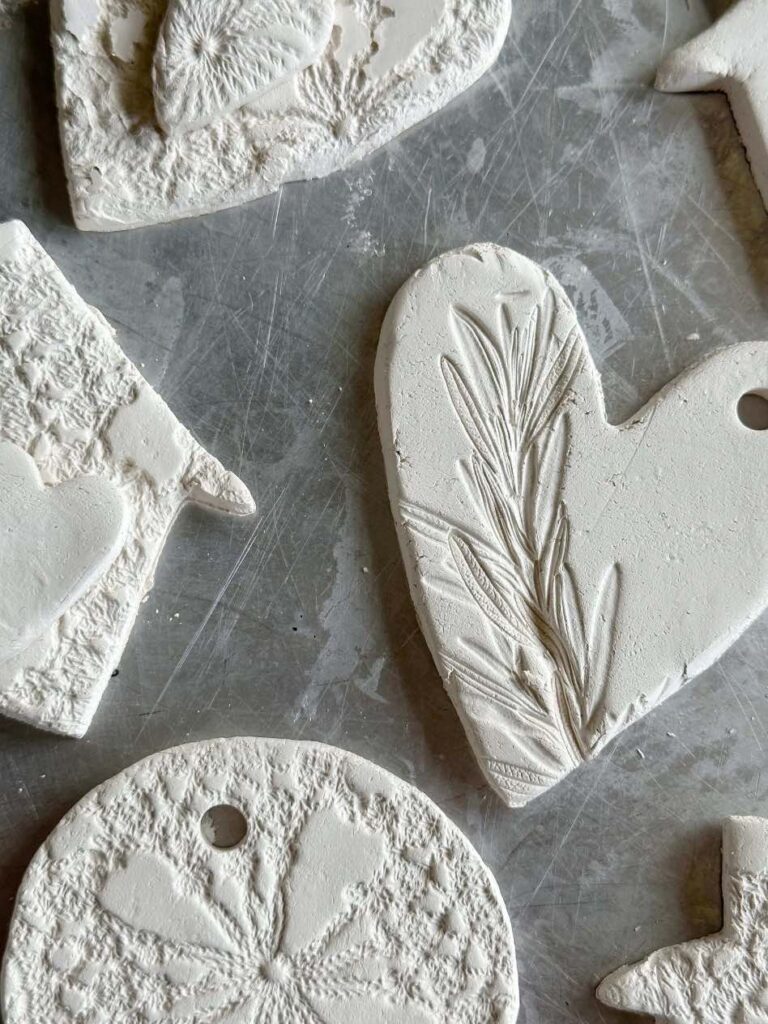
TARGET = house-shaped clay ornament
(94,468)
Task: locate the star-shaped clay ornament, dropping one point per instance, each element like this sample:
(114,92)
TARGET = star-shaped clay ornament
(721,979)
(731,56)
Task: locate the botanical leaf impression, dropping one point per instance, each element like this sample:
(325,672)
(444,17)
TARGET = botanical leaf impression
(213,56)
(556,560)
(258,882)
(175,108)
(722,978)
(94,469)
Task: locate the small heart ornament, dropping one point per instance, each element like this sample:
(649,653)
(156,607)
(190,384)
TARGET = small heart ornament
(568,574)
(55,542)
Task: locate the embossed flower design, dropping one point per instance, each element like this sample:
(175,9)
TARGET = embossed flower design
(214,56)
(342,904)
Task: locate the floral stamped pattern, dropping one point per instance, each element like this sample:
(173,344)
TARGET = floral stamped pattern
(351,898)
(213,56)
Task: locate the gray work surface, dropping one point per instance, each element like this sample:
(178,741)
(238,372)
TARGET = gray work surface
(259,327)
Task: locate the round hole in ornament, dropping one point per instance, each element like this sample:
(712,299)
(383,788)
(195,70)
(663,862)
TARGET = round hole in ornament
(752,410)
(224,827)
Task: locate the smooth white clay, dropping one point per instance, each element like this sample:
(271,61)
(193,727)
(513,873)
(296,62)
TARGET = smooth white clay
(94,468)
(731,56)
(722,978)
(175,108)
(258,882)
(55,542)
(568,574)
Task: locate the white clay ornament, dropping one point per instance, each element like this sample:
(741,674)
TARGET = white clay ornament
(720,979)
(94,468)
(174,108)
(568,574)
(245,881)
(731,57)
(55,543)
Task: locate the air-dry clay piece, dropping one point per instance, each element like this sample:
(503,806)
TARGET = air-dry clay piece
(214,56)
(731,57)
(568,574)
(55,542)
(383,68)
(94,468)
(344,897)
(720,979)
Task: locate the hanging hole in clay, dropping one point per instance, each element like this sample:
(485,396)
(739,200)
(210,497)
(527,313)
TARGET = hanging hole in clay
(223,827)
(752,410)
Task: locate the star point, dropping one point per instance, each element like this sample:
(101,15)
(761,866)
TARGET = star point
(719,979)
(730,57)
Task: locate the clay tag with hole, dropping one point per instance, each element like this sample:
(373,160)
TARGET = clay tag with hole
(251,880)
(568,574)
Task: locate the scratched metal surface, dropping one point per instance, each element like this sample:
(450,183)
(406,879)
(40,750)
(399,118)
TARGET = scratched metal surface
(259,327)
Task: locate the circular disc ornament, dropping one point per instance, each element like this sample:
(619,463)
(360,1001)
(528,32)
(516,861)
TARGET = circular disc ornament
(258,882)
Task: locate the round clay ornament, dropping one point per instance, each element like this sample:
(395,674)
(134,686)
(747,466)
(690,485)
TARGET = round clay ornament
(247,880)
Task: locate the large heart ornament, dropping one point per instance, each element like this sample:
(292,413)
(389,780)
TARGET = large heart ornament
(568,574)
(213,56)
(174,108)
(55,542)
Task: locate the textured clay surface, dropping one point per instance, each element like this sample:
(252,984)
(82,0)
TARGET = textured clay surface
(384,68)
(78,420)
(720,979)
(351,898)
(569,575)
(213,56)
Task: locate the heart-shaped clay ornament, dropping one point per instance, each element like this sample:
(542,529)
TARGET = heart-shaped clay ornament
(568,574)
(258,882)
(213,56)
(174,109)
(55,542)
